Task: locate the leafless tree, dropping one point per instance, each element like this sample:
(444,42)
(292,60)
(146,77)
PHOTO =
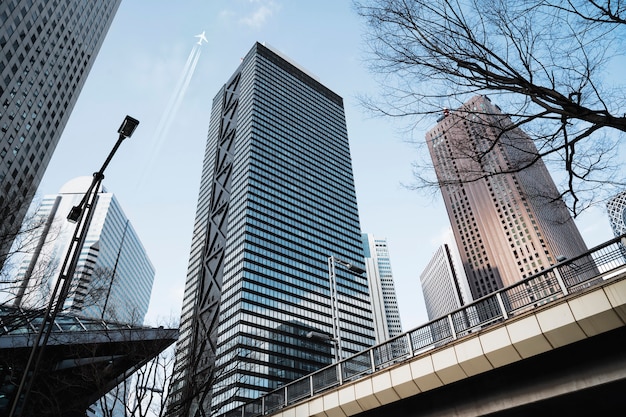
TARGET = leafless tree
(14,290)
(144,393)
(546,62)
(233,369)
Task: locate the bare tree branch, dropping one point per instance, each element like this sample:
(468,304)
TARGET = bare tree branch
(545,59)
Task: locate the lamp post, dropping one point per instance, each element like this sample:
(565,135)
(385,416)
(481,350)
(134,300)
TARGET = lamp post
(81,215)
(334,301)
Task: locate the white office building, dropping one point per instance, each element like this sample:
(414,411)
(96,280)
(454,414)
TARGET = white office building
(382,289)
(444,284)
(113,278)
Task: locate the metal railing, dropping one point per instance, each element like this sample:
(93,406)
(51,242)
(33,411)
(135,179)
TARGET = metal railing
(571,275)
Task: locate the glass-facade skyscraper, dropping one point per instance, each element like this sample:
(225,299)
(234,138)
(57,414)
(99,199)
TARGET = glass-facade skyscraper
(277,199)
(114,276)
(47,48)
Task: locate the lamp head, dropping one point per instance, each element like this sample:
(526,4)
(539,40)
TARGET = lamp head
(355,269)
(74,214)
(128,127)
(318,336)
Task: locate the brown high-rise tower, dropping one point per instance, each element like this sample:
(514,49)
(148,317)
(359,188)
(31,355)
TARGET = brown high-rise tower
(509,225)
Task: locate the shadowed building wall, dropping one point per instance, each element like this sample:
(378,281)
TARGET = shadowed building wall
(47,48)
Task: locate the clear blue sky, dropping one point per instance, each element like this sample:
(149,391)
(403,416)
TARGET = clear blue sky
(137,72)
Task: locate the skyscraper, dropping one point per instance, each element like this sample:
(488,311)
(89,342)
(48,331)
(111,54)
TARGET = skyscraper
(382,289)
(443,284)
(616,208)
(47,48)
(114,275)
(276,200)
(510,224)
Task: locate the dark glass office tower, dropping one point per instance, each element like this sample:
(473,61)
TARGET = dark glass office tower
(47,48)
(276,200)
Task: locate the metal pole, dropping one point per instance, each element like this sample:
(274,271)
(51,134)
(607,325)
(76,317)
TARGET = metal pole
(559,280)
(334,299)
(82,214)
(505,315)
(334,306)
(452,328)
(57,299)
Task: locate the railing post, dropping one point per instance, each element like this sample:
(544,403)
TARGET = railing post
(451,324)
(505,315)
(311,388)
(372,360)
(559,279)
(263,410)
(285,399)
(409,343)
(339,373)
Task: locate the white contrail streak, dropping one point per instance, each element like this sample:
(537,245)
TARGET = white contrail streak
(182,89)
(168,116)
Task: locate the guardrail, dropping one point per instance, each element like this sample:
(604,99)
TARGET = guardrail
(571,275)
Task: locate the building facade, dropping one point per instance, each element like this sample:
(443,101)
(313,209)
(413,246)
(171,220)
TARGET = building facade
(277,199)
(47,48)
(616,209)
(114,276)
(508,223)
(443,284)
(382,289)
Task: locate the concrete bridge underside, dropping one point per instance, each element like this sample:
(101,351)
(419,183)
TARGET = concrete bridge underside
(564,358)
(585,378)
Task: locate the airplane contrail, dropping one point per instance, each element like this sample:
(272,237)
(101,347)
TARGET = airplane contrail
(184,84)
(169,114)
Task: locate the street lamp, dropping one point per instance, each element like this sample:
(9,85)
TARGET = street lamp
(81,215)
(324,337)
(334,300)
(126,130)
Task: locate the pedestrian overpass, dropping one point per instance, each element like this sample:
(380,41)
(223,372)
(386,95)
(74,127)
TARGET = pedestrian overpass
(553,340)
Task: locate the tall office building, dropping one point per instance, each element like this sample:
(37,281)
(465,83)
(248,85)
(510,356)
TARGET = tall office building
(276,200)
(616,208)
(443,284)
(47,48)
(114,275)
(382,289)
(507,226)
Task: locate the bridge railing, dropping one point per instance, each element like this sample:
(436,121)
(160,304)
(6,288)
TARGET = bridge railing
(570,275)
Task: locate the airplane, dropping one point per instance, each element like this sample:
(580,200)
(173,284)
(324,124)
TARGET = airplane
(201,38)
